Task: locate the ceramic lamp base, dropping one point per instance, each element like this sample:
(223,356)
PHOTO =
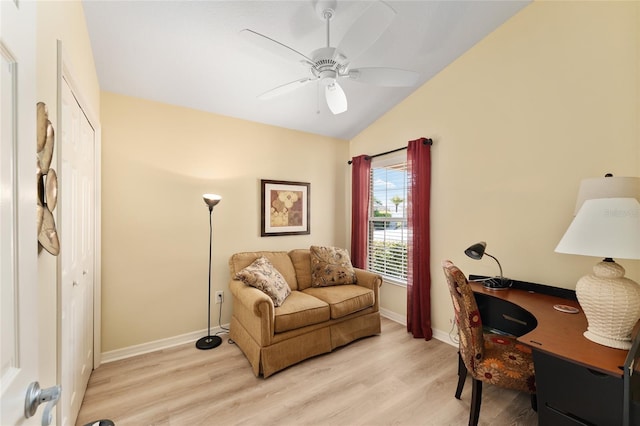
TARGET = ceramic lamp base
(611,304)
(607,341)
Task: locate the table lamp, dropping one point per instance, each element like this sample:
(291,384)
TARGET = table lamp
(607,226)
(209,341)
(476,252)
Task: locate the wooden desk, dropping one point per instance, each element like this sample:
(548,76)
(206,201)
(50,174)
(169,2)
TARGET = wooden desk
(578,381)
(560,334)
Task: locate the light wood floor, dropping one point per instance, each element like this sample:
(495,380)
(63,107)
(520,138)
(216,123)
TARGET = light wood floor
(391,379)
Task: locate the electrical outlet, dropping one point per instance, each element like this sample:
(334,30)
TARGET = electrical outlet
(219,297)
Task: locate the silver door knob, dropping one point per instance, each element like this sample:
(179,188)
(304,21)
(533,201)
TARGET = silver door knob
(36,396)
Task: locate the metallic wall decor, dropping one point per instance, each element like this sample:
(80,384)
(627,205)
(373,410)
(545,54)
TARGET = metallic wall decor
(47,181)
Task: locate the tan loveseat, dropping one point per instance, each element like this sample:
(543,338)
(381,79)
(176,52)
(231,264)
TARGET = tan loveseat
(311,321)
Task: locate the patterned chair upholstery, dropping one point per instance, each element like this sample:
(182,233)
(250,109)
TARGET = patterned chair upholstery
(491,358)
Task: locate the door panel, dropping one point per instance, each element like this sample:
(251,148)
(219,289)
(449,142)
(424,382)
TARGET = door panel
(18,245)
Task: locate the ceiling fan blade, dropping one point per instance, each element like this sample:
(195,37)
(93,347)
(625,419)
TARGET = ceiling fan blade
(275,47)
(285,88)
(387,77)
(336,99)
(366,30)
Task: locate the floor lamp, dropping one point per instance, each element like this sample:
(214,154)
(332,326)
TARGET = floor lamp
(209,341)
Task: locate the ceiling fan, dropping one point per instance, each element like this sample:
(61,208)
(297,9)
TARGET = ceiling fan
(329,64)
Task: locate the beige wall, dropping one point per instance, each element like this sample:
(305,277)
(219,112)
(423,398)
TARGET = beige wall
(549,98)
(157,161)
(64,21)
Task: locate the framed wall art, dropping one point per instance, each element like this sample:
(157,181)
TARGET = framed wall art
(285,208)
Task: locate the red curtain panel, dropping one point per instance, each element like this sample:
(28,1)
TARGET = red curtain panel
(360,169)
(418,248)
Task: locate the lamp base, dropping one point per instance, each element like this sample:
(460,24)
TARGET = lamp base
(607,341)
(611,304)
(208,342)
(497,283)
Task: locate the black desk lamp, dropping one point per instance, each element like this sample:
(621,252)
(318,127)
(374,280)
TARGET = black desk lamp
(209,341)
(476,252)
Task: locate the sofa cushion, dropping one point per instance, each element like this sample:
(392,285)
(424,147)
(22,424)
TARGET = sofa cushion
(262,275)
(344,299)
(300,310)
(301,259)
(279,259)
(331,266)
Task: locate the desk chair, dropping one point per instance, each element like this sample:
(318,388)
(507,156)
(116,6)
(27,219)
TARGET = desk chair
(491,358)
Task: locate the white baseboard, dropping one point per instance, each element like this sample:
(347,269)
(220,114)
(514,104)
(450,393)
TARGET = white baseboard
(443,336)
(157,345)
(170,342)
(393,316)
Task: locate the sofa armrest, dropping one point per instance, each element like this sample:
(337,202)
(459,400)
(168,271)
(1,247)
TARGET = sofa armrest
(255,310)
(250,297)
(368,279)
(371,281)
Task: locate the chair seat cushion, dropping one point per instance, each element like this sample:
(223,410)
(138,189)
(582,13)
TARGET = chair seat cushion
(506,363)
(344,299)
(300,310)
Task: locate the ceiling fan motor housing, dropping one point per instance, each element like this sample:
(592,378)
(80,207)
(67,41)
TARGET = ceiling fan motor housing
(325,67)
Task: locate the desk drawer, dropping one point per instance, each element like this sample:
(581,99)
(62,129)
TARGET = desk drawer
(571,394)
(504,316)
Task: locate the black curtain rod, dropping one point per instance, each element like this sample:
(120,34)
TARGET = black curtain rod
(369,157)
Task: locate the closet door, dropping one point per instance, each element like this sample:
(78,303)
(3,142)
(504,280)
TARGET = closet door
(77,232)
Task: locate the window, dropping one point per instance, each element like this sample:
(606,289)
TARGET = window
(388,220)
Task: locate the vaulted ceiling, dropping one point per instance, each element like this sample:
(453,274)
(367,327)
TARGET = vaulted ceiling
(191,53)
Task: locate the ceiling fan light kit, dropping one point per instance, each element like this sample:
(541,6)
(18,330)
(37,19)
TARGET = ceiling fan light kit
(327,65)
(336,98)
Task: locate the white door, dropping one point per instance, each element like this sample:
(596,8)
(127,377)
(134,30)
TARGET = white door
(77,259)
(18,241)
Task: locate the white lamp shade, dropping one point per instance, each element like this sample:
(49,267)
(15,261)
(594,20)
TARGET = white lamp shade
(604,227)
(211,199)
(607,187)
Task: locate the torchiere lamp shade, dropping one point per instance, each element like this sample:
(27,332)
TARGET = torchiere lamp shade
(211,199)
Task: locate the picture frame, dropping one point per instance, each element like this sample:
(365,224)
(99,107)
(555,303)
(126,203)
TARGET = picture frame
(285,208)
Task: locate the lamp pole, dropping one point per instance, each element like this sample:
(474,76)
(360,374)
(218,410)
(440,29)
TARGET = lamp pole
(209,341)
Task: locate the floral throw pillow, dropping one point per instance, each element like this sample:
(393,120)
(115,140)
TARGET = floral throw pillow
(262,275)
(331,266)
